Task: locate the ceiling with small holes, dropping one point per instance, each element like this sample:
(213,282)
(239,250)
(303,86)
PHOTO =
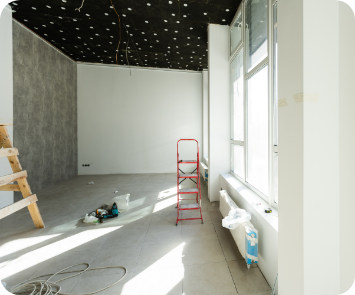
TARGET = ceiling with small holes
(154,33)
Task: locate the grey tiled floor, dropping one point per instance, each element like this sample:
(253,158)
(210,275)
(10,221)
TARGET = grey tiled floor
(161,258)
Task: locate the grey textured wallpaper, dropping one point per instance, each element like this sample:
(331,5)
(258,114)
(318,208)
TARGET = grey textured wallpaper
(45,110)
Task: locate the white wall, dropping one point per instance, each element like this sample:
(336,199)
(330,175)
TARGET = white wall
(219,107)
(6,91)
(131,123)
(346,144)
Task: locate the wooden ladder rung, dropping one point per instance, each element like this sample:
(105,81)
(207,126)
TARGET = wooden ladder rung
(10,188)
(8,152)
(12,177)
(6,211)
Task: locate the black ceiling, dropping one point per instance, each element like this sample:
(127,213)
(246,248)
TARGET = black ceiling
(165,33)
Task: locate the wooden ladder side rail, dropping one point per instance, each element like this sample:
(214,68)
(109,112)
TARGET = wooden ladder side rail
(10,188)
(6,211)
(25,189)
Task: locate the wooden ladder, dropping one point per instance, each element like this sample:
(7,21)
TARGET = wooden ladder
(6,182)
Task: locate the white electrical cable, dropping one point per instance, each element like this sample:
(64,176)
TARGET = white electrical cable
(41,287)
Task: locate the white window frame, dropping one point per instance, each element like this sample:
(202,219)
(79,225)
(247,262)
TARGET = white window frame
(268,61)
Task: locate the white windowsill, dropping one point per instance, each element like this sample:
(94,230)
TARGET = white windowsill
(252,198)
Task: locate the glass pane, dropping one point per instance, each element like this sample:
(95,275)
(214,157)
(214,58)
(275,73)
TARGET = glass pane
(257,122)
(236,33)
(237,82)
(255,32)
(238,161)
(275,77)
(276,175)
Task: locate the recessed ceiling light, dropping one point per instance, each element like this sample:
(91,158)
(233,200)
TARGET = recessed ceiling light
(198,45)
(63,38)
(136,43)
(165,29)
(131,34)
(48,6)
(63,8)
(145,39)
(60,17)
(129,8)
(77,28)
(188,37)
(157,40)
(79,37)
(146,22)
(124,15)
(170,2)
(223,20)
(177,22)
(205,13)
(176,31)
(151,46)
(165,20)
(45,34)
(188,44)
(61,31)
(113,23)
(173,14)
(148,4)
(177,46)
(74,20)
(106,13)
(191,28)
(97,34)
(184,15)
(107,29)
(155,34)
(43,25)
(174,38)
(87,14)
(227,9)
(25,20)
(34,8)
(185,4)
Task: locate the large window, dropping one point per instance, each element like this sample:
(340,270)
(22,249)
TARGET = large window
(253,65)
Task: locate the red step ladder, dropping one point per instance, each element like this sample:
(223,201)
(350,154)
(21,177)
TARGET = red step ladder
(182,176)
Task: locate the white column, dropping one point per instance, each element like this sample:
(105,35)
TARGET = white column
(6,91)
(219,107)
(347,144)
(205,113)
(310,148)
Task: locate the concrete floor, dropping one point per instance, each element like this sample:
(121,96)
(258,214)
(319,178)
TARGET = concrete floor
(161,258)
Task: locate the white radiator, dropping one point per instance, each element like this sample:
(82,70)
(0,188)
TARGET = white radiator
(245,235)
(204,171)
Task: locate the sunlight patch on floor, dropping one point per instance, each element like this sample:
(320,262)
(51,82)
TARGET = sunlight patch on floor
(20,244)
(9,268)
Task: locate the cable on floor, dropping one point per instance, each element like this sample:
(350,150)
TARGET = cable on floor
(46,287)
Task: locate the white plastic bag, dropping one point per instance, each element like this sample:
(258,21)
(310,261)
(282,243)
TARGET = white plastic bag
(90,219)
(235,217)
(122,202)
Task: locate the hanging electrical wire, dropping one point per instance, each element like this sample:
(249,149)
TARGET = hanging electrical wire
(119,23)
(80,6)
(119,42)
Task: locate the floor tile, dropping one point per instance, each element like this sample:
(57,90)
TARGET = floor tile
(198,232)
(230,249)
(208,279)
(247,281)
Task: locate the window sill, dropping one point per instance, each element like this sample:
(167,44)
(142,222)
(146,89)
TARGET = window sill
(252,199)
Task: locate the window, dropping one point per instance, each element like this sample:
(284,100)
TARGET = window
(253,72)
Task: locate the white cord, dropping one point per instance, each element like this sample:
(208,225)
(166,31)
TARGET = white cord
(41,287)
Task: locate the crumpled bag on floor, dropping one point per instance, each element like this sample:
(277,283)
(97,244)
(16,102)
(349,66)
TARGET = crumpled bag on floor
(122,203)
(90,219)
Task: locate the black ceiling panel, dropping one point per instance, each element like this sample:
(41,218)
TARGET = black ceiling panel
(154,33)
